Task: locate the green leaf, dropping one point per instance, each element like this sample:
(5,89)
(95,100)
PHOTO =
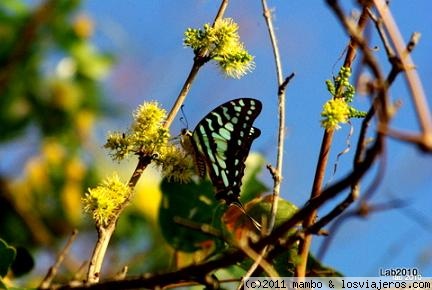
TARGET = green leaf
(252,186)
(7,254)
(23,263)
(260,207)
(181,204)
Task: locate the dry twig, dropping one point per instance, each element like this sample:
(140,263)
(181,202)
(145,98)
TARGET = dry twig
(46,282)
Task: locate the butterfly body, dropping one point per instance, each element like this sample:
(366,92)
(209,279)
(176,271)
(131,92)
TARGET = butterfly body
(221,143)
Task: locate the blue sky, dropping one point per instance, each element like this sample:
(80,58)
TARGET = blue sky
(152,64)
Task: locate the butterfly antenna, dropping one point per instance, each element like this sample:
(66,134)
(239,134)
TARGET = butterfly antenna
(183,118)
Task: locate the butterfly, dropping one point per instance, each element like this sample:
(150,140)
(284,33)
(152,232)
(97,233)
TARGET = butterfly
(221,143)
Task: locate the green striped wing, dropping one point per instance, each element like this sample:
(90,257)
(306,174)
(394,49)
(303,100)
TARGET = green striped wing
(222,141)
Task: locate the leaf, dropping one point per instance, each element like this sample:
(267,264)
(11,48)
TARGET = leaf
(90,62)
(182,204)
(252,186)
(259,208)
(7,254)
(23,263)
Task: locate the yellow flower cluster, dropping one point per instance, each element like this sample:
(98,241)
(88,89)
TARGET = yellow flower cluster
(334,112)
(104,201)
(338,110)
(177,165)
(222,44)
(146,136)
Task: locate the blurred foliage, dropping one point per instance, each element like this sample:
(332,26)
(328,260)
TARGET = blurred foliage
(50,76)
(50,96)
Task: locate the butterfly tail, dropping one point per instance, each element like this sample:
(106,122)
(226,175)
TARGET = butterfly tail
(254,221)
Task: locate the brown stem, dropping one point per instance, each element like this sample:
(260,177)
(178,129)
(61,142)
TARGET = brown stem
(198,63)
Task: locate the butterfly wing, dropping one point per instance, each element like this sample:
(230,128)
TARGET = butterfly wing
(222,140)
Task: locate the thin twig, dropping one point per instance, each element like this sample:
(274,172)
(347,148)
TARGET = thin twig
(259,257)
(282,83)
(382,34)
(276,172)
(202,228)
(257,261)
(46,282)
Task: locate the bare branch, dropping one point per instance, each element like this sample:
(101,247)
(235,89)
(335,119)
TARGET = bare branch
(281,115)
(46,282)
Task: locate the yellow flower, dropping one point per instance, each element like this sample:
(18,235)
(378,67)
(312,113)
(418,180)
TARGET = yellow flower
(177,165)
(75,169)
(146,136)
(104,201)
(334,112)
(222,44)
